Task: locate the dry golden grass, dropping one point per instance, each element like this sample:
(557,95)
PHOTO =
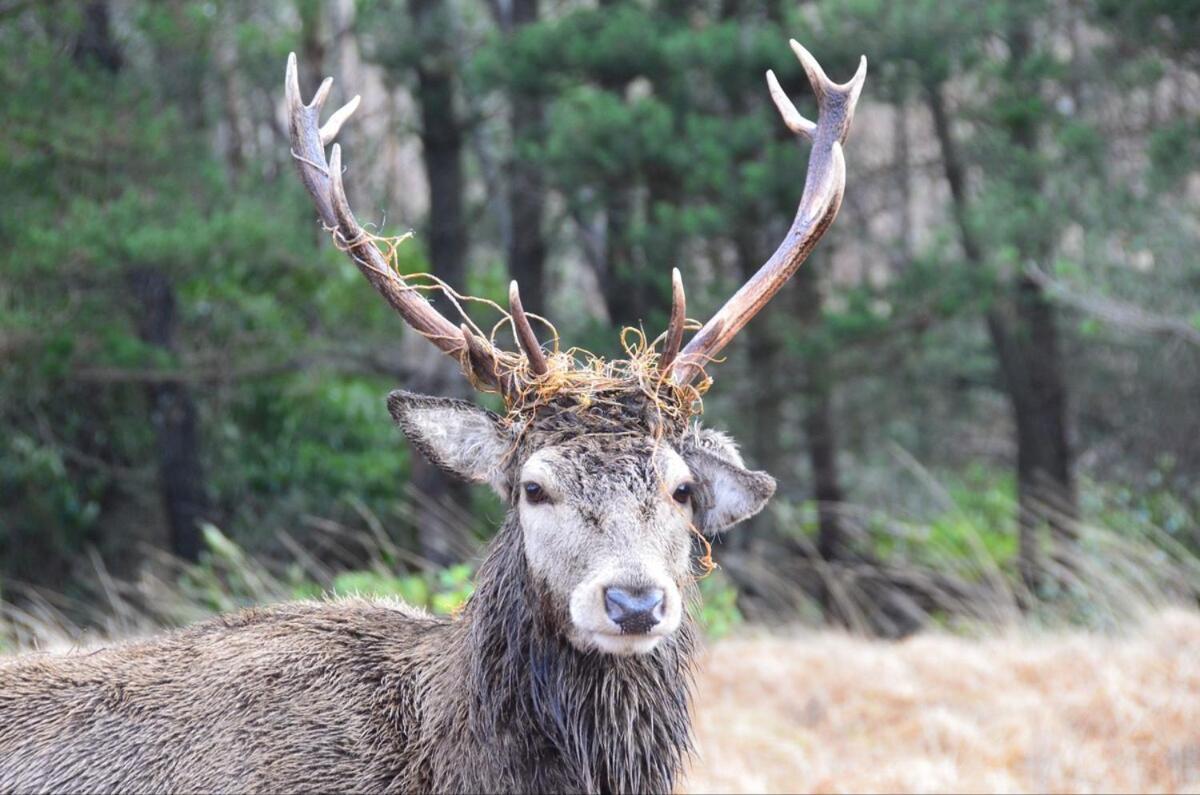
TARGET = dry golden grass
(1064,712)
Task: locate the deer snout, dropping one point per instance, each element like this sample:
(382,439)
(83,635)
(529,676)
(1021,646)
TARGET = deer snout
(635,610)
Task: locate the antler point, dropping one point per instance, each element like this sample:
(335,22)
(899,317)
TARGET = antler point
(330,129)
(322,93)
(291,83)
(791,117)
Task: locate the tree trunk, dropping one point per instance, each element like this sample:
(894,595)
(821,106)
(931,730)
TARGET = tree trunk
(441,150)
(441,139)
(312,45)
(526,244)
(818,420)
(623,295)
(238,127)
(1046,488)
(173,414)
(95,45)
(901,160)
(1024,335)
(1044,460)
(172,410)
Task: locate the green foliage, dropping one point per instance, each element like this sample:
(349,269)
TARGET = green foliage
(1175,152)
(718,612)
(114,173)
(976,524)
(443,592)
(56,510)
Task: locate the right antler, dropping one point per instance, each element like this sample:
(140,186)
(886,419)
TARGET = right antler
(323,180)
(823,189)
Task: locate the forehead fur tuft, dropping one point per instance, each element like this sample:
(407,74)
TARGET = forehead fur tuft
(585,394)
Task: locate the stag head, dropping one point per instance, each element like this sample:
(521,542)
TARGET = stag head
(608,475)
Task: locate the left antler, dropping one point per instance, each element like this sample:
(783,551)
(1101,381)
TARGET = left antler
(323,180)
(823,189)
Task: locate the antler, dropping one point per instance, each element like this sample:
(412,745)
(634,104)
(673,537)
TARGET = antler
(823,189)
(524,332)
(676,324)
(323,180)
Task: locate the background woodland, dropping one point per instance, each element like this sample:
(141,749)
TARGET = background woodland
(980,396)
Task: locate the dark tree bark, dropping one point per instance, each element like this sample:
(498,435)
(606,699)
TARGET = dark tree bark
(901,161)
(1046,469)
(442,151)
(173,414)
(1024,335)
(526,249)
(441,139)
(95,45)
(312,45)
(237,125)
(624,294)
(172,409)
(818,422)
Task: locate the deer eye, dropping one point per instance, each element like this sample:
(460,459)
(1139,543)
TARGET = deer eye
(683,493)
(534,493)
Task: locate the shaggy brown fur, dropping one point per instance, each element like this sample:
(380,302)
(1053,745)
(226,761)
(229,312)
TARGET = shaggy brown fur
(352,696)
(360,696)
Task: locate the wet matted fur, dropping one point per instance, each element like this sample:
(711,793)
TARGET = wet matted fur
(359,695)
(355,696)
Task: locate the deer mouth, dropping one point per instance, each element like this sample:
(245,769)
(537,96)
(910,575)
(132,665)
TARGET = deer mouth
(623,644)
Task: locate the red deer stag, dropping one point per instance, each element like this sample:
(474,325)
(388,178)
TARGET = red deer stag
(567,670)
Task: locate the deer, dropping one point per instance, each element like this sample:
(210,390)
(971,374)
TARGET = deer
(569,668)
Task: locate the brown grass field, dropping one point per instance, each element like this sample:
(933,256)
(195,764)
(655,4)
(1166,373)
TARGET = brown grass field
(1022,712)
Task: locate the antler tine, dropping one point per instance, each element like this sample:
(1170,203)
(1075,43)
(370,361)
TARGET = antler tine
(524,332)
(791,117)
(333,125)
(291,83)
(323,181)
(825,88)
(824,185)
(318,100)
(678,319)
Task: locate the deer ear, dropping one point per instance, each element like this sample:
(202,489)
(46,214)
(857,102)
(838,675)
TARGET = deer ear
(728,492)
(456,436)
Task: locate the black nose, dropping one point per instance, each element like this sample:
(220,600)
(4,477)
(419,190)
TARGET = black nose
(635,610)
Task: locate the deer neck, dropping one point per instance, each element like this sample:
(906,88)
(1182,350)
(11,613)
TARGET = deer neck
(579,719)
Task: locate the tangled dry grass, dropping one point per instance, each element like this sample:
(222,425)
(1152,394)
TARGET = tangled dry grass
(1021,712)
(575,378)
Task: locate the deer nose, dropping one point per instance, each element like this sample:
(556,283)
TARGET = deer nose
(634,610)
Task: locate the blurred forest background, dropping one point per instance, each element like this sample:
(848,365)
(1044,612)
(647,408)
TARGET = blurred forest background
(980,396)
